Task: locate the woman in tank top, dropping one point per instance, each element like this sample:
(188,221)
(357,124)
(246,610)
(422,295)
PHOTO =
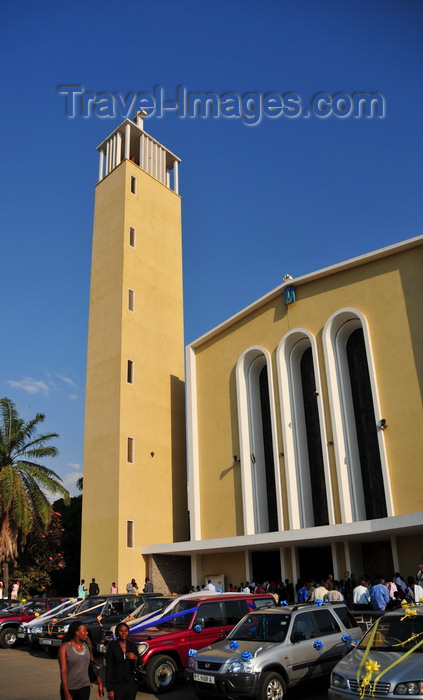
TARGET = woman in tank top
(74,657)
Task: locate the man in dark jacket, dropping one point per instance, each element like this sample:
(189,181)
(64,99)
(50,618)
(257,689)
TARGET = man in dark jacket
(93,587)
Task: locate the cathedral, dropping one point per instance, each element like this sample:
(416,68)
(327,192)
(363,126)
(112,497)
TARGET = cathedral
(284,443)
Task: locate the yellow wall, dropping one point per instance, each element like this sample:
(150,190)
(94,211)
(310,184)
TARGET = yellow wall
(152,490)
(388,292)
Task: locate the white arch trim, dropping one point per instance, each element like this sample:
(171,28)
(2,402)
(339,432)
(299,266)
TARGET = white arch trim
(253,359)
(288,356)
(336,332)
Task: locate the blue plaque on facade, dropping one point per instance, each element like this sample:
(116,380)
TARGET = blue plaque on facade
(289,294)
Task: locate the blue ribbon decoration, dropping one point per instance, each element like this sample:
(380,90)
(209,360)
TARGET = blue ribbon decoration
(167,618)
(234,644)
(192,652)
(283,603)
(318,644)
(197,628)
(318,602)
(246,656)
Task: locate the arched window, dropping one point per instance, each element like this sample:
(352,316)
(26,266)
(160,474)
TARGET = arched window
(363,478)
(305,451)
(258,449)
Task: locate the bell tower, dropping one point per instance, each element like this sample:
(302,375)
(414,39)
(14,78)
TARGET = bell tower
(134,488)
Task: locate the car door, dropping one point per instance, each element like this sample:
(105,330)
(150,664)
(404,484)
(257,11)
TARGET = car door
(330,634)
(210,618)
(302,657)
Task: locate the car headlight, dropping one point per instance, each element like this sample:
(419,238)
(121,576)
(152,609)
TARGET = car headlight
(338,681)
(410,688)
(65,628)
(36,630)
(142,648)
(191,662)
(239,666)
(22,628)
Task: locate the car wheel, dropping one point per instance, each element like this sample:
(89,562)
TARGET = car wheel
(8,637)
(272,687)
(160,673)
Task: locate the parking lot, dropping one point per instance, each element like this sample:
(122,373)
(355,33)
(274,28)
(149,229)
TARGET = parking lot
(32,675)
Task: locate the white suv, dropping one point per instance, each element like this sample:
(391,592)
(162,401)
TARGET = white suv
(271,650)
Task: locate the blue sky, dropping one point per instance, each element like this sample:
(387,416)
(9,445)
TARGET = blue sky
(288,195)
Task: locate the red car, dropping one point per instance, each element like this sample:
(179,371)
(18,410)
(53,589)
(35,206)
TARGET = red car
(12,618)
(194,622)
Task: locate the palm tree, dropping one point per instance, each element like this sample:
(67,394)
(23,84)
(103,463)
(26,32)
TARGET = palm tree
(23,482)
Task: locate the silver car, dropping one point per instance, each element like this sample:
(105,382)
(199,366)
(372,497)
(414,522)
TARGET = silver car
(273,649)
(388,661)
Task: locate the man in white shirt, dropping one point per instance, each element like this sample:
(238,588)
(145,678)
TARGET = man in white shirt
(361,596)
(210,587)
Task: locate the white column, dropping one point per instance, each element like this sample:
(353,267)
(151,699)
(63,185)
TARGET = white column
(196,572)
(248,567)
(295,567)
(127,140)
(101,165)
(114,151)
(118,147)
(107,157)
(175,177)
(167,178)
(394,549)
(335,563)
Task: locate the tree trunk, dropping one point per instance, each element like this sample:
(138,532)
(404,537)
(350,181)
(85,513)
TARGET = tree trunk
(5,579)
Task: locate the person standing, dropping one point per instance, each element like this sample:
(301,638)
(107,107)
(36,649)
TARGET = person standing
(361,596)
(74,657)
(93,587)
(148,587)
(121,657)
(379,595)
(82,591)
(210,587)
(113,589)
(15,590)
(348,590)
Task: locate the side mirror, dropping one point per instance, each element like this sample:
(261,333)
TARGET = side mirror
(199,625)
(298,637)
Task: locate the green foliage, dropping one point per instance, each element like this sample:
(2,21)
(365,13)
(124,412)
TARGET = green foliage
(24,482)
(42,557)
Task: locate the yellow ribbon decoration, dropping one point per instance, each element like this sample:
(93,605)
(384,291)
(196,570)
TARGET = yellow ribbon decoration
(409,612)
(372,666)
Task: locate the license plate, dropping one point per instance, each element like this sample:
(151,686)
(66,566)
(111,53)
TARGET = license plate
(203,678)
(21,634)
(45,641)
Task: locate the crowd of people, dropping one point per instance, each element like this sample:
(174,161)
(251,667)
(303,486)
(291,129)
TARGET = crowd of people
(362,593)
(131,587)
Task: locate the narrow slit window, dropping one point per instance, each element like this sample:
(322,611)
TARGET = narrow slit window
(130,450)
(130,533)
(132,236)
(131,300)
(130,372)
(133,184)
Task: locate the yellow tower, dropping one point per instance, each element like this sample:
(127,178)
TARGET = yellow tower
(134,451)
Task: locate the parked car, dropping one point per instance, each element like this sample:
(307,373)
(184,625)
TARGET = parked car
(271,650)
(95,612)
(29,632)
(196,619)
(12,618)
(152,605)
(395,645)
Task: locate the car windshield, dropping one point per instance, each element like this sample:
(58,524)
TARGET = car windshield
(395,633)
(261,628)
(92,604)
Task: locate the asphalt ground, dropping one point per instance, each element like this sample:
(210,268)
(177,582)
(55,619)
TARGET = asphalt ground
(27,674)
